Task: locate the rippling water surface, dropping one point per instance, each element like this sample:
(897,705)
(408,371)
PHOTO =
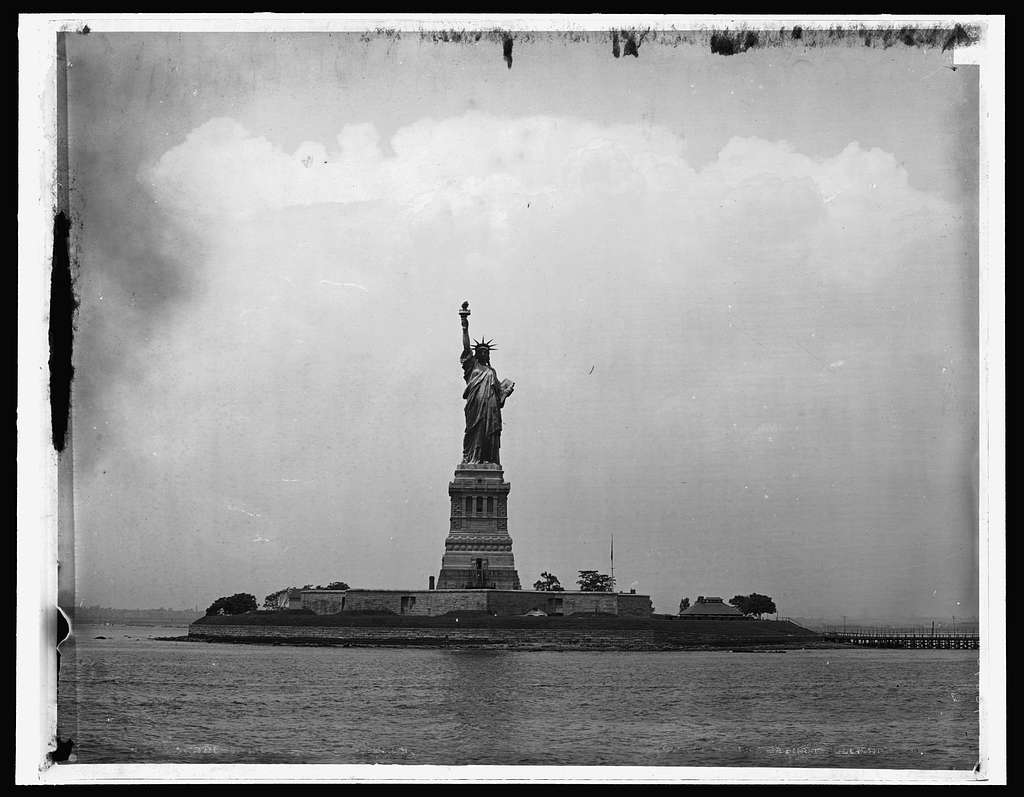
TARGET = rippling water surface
(131,698)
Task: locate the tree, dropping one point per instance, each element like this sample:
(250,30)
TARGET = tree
(335,585)
(592,581)
(684,604)
(548,583)
(239,603)
(754,604)
(278,599)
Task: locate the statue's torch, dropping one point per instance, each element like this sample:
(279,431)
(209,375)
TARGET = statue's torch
(464,314)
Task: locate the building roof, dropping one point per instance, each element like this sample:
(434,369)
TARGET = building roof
(715,607)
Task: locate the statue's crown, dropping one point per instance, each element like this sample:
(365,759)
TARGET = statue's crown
(485,344)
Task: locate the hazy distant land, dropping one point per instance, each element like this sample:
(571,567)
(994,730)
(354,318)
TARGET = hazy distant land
(162,616)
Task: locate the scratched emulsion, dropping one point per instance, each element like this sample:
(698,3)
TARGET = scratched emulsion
(725,41)
(62,310)
(63,301)
(719,41)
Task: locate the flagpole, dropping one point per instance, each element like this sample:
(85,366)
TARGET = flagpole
(611,553)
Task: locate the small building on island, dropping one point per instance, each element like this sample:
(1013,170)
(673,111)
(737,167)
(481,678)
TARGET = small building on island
(712,608)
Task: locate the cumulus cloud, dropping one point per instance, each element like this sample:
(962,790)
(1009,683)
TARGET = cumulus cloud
(483,162)
(483,175)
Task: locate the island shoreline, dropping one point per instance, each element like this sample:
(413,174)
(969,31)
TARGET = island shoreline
(509,633)
(507,646)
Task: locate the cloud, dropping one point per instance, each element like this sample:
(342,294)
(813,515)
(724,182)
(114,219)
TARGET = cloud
(461,164)
(478,163)
(481,175)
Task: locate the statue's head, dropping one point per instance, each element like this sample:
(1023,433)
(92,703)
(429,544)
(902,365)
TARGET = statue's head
(483,350)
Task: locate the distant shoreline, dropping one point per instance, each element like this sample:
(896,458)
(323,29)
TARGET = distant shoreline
(142,618)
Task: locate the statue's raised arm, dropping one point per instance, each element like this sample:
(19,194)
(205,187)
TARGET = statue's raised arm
(464,315)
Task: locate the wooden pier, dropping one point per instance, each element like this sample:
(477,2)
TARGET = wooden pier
(889,639)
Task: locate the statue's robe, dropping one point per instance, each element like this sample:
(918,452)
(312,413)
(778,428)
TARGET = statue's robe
(484,400)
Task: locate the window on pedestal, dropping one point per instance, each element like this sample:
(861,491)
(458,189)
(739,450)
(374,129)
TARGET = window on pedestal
(469,505)
(490,505)
(479,504)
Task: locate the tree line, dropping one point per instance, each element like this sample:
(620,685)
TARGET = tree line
(242,602)
(588,581)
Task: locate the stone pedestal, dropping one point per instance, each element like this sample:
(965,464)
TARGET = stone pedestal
(478,549)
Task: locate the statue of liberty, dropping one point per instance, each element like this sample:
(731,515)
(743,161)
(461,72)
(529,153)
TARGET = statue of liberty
(484,395)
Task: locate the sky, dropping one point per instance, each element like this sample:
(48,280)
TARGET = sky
(738,297)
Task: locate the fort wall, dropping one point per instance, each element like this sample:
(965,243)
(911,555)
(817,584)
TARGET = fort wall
(432,603)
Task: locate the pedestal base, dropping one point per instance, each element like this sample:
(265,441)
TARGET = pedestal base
(478,549)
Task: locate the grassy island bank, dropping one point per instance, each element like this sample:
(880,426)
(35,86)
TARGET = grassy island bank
(579,632)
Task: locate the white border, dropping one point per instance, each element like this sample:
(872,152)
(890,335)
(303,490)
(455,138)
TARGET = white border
(37,462)
(992,385)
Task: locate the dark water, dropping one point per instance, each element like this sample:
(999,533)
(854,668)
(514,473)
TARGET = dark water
(130,698)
